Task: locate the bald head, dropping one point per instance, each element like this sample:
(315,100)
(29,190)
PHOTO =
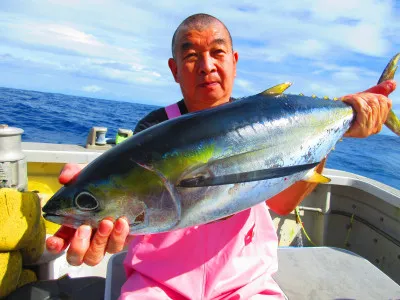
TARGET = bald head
(197,22)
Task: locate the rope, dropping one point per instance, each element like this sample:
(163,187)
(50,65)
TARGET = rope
(302,227)
(346,241)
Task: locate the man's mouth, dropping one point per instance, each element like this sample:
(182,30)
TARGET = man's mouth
(208,84)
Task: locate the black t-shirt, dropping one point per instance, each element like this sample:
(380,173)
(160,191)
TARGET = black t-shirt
(157,116)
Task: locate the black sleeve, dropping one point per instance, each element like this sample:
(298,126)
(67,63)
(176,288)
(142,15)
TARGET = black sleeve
(153,118)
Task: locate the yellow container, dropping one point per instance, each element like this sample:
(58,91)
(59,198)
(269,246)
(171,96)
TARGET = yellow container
(43,178)
(21,213)
(35,248)
(10,271)
(27,276)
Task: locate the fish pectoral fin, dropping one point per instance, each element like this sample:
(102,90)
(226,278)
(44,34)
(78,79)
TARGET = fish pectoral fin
(277,89)
(175,197)
(315,177)
(257,175)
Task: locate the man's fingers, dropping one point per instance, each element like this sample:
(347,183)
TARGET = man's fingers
(55,244)
(98,246)
(60,240)
(79,245)
(363,116)
(69,172)
(371,113)
(118,236)
(374,104)
(65,232)
(384,88)
(89,248)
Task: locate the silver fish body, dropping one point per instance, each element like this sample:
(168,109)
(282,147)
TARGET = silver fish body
(204,166)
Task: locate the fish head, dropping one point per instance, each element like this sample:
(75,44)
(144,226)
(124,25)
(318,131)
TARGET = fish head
(72,207)
(75,205)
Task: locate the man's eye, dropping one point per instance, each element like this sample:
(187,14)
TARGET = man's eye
(219,51)
(190,55)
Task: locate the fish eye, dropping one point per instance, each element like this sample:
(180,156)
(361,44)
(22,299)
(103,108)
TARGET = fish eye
(86,201)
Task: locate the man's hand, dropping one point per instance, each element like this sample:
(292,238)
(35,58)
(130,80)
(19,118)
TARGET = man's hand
(86,245)
(372,107)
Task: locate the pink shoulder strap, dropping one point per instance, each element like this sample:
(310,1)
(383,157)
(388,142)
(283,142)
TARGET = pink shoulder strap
(173,111)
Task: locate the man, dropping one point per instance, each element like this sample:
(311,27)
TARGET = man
(229,259)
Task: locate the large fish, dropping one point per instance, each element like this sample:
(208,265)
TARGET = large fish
(207,165)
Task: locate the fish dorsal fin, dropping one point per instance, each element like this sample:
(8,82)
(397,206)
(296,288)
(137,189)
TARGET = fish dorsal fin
(315,177)
(277,89)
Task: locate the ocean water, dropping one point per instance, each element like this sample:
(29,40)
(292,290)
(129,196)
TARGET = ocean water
(63,119)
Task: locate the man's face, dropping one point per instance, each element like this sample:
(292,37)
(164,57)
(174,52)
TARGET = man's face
(204,66)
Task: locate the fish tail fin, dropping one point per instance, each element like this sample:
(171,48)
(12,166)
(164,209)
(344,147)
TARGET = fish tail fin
(392,121)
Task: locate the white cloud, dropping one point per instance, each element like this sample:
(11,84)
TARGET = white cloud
(311,47)
(72,35)
(92,88)
(335,46)
(345,76)
(247,86)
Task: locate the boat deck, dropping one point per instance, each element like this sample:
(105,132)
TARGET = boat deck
(351,213)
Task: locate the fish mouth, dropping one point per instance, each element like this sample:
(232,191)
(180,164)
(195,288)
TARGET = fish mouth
(70,221)
(66,217)
(48,214)
(54,218)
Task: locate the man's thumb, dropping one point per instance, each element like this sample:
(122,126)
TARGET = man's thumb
(384,88)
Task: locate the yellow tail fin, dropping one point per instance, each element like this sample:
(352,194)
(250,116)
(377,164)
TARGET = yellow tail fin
(392,121)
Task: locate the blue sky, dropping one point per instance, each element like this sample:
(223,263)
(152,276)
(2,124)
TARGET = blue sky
(118,50)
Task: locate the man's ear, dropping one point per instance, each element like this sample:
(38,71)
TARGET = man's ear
(235,59)
(174,69)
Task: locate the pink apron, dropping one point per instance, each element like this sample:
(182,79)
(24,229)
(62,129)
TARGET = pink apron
(229,259)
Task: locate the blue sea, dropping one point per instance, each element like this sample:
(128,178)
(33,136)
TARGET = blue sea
(63,119)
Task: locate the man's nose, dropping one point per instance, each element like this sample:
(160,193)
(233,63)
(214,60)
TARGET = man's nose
(206,64)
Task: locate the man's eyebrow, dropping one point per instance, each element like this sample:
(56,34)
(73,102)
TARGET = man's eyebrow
(187,45)
(219,42)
